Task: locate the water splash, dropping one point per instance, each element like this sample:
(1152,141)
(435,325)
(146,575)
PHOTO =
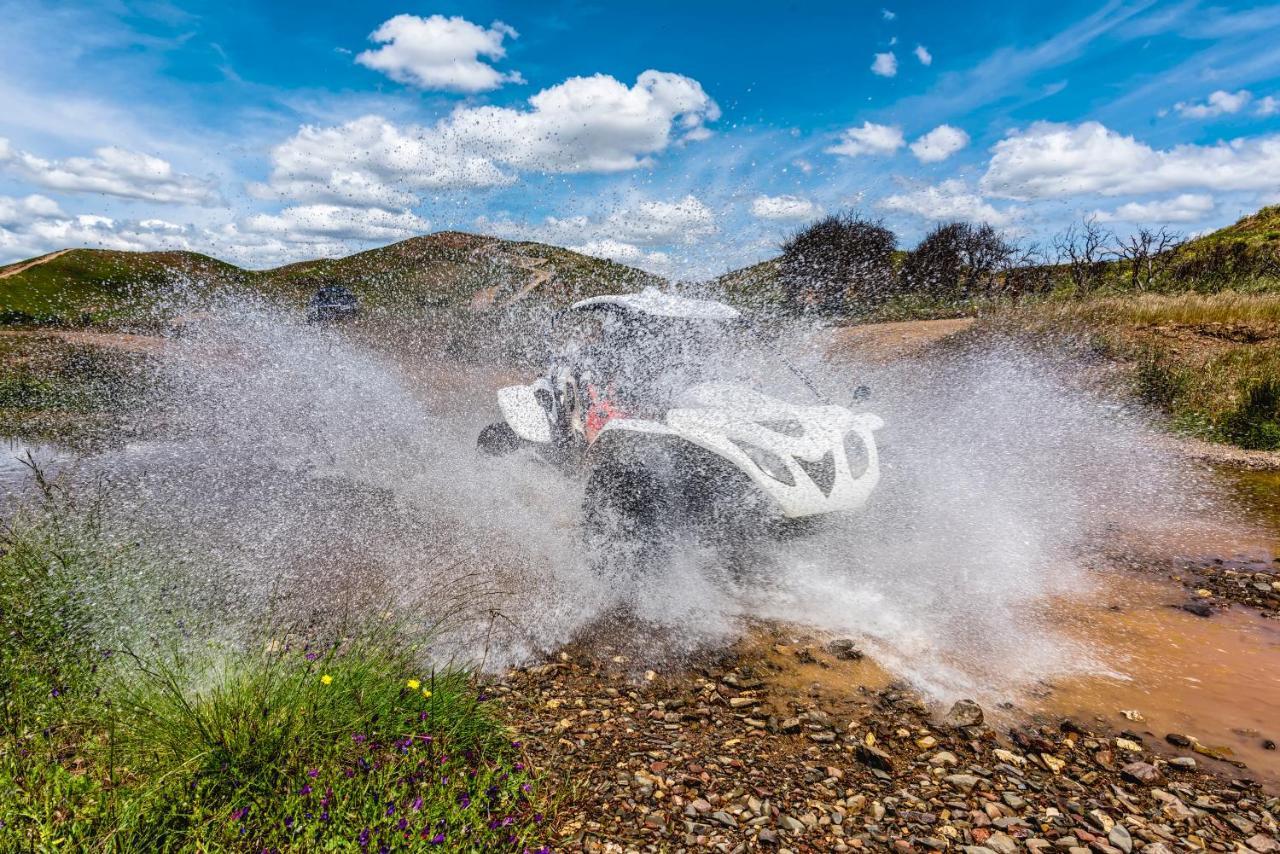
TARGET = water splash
(308,471)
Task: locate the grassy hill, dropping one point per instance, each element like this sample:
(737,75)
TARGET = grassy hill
(447,269)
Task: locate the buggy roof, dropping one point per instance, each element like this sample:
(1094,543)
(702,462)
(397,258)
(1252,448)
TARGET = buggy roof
(656,303)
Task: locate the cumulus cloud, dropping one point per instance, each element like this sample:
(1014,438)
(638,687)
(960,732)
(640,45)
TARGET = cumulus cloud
(950,200)
(869,139)
(887,15)
(1049,160)
(922,54)
(1268,106)
(440,53)
(1186,207)
(585,124)
(111,171)
(939,144)
(332,222)
(784,208)
(632,234)
(1219,103)
(35,226)
(885,64)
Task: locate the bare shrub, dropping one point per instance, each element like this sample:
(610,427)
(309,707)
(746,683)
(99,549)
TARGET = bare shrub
(1147,253)
(1083,250)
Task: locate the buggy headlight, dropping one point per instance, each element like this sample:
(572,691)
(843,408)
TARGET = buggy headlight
(856,452)
(767,461)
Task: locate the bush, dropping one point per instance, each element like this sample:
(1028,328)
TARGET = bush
(958,260)
(837,259)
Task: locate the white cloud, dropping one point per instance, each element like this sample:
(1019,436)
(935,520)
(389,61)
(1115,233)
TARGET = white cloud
(42,234)
(303,223)
(643,223)
(939,144)
(440,53)
(1219,103)
(922,54)
(785,208)
(113,172)
(885,64)
(1268,106)
(868,139)
(950,200)
(1187,207)
(20,212)
(887,15)
(585,124)
(1049,160)
(625,253)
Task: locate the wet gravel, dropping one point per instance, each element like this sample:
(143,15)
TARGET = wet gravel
(735,754)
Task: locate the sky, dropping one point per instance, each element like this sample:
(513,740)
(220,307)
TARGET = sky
(685,138)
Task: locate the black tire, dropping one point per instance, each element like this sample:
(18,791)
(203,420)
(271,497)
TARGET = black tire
(498,440)
(626,515)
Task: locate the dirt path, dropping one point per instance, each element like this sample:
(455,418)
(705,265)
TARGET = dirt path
(34,262)
(538,276)
(888,342)
(123,341)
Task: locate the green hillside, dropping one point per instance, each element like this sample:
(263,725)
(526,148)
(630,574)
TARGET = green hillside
(447,269)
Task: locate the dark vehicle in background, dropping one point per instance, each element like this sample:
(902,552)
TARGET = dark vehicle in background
(332,303)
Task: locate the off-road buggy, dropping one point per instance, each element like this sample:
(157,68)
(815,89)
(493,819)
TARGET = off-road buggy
(642,399)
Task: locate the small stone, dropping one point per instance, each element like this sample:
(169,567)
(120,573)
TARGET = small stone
(1199,607)
(1185,762)
(789,725)
(1120,838)
(1140,772)
(767,837)
(844,649)
(1002,843)
(944,758)
(874,757)
(700,805)
(789,824)
(964,713)
(1263,844)
(965,782)
(1178,740)
(724,818)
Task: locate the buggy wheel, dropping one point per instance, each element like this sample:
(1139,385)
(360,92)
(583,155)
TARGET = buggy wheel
(625,517)
(498,440)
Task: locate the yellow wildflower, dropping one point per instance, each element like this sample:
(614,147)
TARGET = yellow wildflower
(414,684)
(426,692)
(326,679)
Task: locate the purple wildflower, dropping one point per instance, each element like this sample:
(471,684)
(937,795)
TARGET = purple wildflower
(417,804)
(312,656)
(464,800)
(313,772)
(391,809)
(438,839)
(363,838)
(305,790)
(402,823)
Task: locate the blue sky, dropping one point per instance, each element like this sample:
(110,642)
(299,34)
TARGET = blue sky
(689,138)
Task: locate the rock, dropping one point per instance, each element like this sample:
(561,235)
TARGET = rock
(944,758)
(1156,848)
(1014,802)
(743,702)
(1268,744)
(964,782)
(1199,607)
(1119,837)
(1002,843)
(844,649)
(789,725)
(1141,772)
(724,818)
(1263,844)
(767,837)
(1185,762)
(1178,740)
(789,824)
(700,806)
(964,713)
(655,821)
(874,757)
